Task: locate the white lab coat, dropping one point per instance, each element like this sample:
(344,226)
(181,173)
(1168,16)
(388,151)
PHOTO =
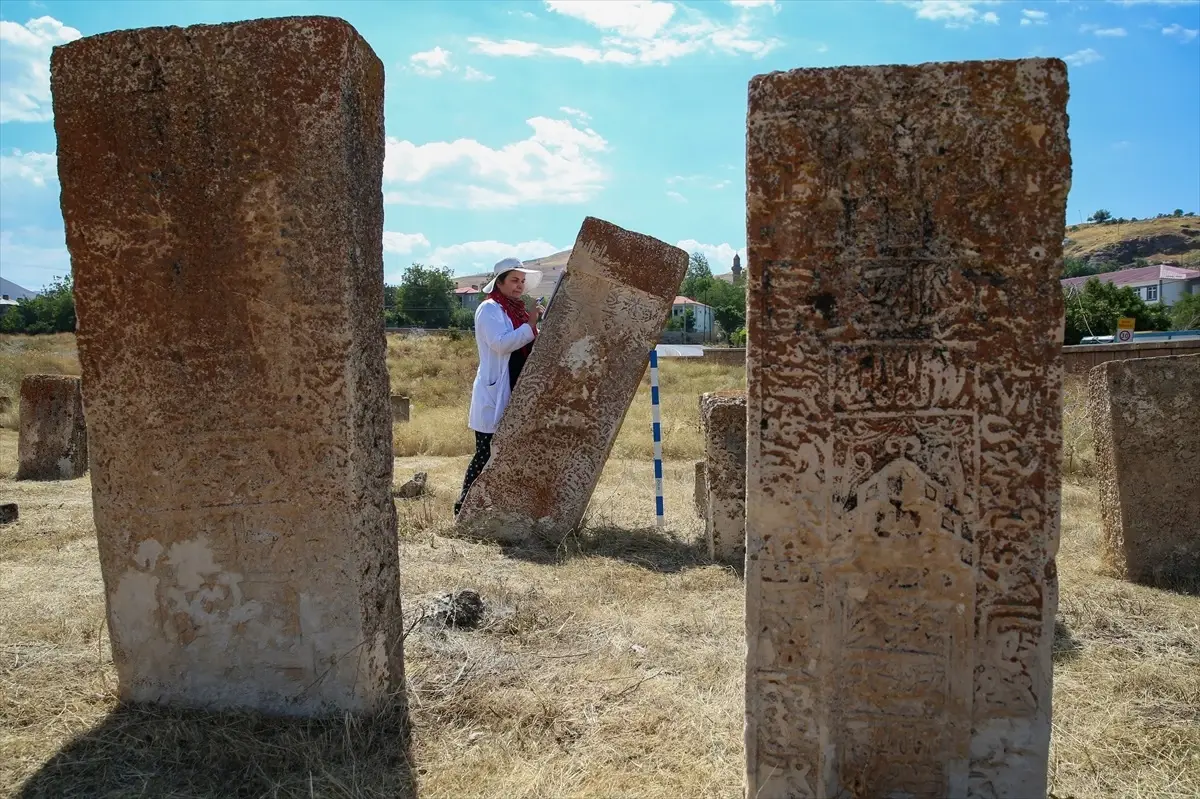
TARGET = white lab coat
(495,340)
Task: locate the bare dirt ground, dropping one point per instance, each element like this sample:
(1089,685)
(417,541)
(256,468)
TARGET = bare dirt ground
(610,667)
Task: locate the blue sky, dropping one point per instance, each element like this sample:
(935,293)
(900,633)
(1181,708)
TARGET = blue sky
(508,122)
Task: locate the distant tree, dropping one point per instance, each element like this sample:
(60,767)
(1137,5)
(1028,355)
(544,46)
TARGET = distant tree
(1185,314)
(1095,309)
(1100,216)
(675,323)
(462,319)
(427,295)
(699,277)
(1178,212)
(52,311)
(730,317)
(738,337)
(689,320)
(1077,267)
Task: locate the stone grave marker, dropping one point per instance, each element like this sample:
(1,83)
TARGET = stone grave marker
(723,417)
(1145,416)
(593,348)
(905,228)
(222,192)
(52,441)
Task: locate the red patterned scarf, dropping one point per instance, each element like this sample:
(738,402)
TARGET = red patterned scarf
(517,314)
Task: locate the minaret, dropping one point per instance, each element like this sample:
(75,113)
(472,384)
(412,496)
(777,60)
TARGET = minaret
(737,266)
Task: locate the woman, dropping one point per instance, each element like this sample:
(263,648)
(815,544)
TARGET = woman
(504,335)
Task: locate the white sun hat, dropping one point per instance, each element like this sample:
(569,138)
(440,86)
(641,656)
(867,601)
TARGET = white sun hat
(532,276)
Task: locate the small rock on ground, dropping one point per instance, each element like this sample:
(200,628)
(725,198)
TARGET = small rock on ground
(8,513)
(462,609)
(413,488)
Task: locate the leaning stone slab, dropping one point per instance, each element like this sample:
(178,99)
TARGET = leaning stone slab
(723,418)
(1146,421)
(52,442)
(905,229)
(592,351)
(221,187)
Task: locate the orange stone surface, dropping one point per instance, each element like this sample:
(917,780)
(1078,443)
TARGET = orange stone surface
(723,422)
(222,191)
(591,353)
(52,441)
(1145,415)
(904,371)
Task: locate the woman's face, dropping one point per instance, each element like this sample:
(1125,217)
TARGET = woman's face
(513,285)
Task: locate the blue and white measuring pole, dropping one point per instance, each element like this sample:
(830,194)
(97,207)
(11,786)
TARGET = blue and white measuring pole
(656,426)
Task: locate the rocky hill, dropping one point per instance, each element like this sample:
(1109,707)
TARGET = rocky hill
(1170,240)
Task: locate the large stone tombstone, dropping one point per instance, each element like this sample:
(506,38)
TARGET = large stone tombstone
(905,229)
(592,351)
(1145,416)
(221,187)
(52,439)
(723,418)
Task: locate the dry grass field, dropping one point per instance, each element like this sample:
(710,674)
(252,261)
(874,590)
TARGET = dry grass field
(1088,238)
(610,667)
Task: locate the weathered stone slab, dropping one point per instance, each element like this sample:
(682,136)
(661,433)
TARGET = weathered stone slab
(593,348)
(700,495)
(905,231)
(221,187)
(400,408)
(723,418)
(52,442)
(1146,422)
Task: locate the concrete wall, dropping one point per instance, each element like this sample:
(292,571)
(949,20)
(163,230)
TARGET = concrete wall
(1080,358)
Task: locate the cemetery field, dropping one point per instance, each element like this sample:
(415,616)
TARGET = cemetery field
(609,667)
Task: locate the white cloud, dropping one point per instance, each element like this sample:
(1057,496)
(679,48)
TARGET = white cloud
(437,62)
(403,243)
(1083,57)
(697,181)
(1156,2)
(25,67)
(575,112)
(1104,32)
(431,63)
(720,256)
(954,13)
(1180,32)
(637,32)
(482,255)
(753,3)
(677,197)
(555,165)
(1029,17)
(34,168)
(642,19)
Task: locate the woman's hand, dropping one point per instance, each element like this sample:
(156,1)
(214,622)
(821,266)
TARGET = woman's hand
(536,314)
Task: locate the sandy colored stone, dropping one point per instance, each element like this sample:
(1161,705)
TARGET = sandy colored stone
(723,419)
(400,408)
(52,441)
(593,348)
(221,187)
(1145,416)
(701,490)
(904,374)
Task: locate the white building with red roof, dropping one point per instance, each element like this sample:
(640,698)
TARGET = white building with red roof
(1160,283)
